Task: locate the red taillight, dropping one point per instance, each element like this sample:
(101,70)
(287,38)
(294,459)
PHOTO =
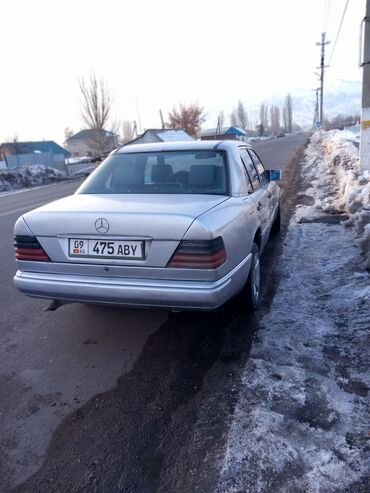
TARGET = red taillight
(28,248)
(199,254)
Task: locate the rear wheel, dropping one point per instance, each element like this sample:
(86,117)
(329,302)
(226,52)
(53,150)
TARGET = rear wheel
(253,286)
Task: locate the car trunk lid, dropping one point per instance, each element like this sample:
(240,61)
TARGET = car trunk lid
(158,217)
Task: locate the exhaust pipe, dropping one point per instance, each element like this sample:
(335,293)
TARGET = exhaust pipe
(54,305)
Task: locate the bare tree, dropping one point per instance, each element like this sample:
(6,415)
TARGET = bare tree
(234,119)
(285,119)
(275,119)
(221,119)
(260,130)
(272,119)
(68,132)
(264,115)
(288,113)
(127,131)
(340,121)
(239,116)
(242,115)
(96,109)
(189,118)
(15,148)
(96,102)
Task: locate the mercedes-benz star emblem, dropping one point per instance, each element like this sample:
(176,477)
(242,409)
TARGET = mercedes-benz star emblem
(102,225)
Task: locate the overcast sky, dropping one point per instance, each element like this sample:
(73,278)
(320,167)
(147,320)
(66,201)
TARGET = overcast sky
(156,53)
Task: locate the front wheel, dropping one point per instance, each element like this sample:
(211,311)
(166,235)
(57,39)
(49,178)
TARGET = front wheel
(276,225)
(253,285)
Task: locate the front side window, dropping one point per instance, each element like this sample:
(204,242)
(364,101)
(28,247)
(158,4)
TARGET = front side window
(173,172)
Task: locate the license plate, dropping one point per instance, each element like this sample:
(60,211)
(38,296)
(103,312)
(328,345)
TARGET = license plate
(106,248)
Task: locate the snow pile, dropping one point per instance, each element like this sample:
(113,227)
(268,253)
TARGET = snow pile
(28,176)
(302,422)
(339,185)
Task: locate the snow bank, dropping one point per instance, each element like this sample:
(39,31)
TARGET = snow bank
(28,176)
(339,185)
(301,423)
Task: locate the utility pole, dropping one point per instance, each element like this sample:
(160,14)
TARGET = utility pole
(138,115)
(218,128)
(365,117)
(316,117)
(322,71)
(134,130)
(161,117)
(317,104)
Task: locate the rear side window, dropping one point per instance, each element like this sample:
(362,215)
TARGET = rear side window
(173,172)
(260,168)
(251,170)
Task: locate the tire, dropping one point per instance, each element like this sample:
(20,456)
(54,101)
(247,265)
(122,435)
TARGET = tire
(276,225)
(252,289)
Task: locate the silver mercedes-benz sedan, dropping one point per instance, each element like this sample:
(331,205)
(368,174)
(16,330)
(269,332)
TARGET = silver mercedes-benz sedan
(177,225)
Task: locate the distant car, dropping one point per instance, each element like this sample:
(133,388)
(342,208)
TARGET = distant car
(281,134)
(171,225)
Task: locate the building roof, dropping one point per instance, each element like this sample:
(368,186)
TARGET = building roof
(89,133)
(39,146)
(165,135)
(224,131)
(173,135)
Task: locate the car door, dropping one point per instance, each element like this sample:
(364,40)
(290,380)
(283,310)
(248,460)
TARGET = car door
(272,189)
(260,193)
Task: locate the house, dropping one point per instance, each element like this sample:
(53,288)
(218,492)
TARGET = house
(161,135)
(91,143)
(224,133)
(45,152)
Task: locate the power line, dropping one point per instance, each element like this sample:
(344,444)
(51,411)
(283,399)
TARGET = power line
(338,32)
(326,14)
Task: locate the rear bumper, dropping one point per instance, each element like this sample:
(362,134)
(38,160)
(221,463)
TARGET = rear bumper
(197,295)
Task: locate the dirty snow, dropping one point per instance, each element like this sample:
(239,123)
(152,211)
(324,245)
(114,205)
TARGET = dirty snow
(302,423)
(28,176)
(338,185)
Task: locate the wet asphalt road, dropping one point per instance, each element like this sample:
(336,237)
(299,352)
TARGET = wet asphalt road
(127,400)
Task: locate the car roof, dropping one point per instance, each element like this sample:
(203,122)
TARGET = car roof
(181,146)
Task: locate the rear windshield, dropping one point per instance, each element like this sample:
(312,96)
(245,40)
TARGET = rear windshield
(174,172)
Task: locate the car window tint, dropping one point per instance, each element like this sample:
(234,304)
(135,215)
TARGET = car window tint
(246,185)
(173,172)
(252,172)
(260,168)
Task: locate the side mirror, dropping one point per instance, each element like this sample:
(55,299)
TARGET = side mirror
(275,174)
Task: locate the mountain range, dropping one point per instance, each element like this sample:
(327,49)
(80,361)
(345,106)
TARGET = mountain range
(342,97)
